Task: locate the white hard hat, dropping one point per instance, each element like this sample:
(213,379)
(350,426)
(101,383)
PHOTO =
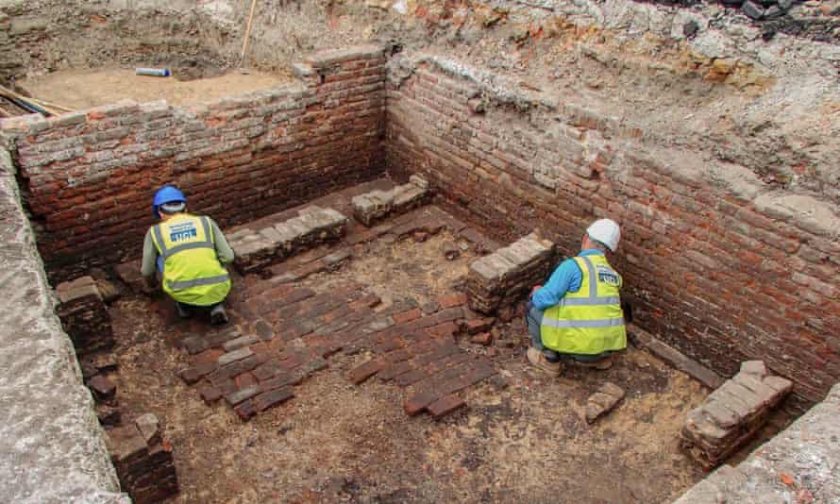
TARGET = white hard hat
(605,231)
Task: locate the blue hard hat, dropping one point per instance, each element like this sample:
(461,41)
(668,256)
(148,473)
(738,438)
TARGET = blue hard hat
(167,194)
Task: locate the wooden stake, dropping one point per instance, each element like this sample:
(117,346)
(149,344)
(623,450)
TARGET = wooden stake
(247,32)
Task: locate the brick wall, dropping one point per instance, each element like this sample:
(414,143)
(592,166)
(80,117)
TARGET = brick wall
(89,176)
(716,263)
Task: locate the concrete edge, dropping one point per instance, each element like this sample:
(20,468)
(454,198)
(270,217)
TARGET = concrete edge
(53,447)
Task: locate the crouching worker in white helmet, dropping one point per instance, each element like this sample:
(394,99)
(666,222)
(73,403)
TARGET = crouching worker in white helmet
(577,316)
(189,253)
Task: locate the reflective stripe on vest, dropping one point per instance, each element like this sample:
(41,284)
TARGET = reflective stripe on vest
(589,321)
(186,284)
(165,251)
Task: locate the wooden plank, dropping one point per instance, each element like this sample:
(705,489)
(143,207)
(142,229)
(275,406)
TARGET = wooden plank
(676,358)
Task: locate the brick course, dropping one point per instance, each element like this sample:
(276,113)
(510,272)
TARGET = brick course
(717,263)
(84,315)
(89,176)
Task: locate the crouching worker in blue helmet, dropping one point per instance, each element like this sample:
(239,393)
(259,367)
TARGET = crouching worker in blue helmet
(188,252)
(577,315)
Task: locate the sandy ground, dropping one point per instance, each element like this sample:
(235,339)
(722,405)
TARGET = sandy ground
(79,89)
(522,439)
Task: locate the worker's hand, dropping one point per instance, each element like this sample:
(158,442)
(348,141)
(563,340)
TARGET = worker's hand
(535,289)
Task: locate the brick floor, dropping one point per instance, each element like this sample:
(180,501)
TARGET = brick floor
(282,333)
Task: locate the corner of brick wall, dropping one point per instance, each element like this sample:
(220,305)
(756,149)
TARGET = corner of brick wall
(89,176)
(716,263)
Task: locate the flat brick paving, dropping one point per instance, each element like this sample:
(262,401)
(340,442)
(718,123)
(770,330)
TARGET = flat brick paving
(282,333)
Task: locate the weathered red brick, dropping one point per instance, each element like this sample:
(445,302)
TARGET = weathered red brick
(441,330)
(210,394)
(364,371)
(272,398)
(245,410)
(194,374)
(452,300)
(407,316)
(393,370)
(245,380)
(210,355)
(482,339)
(418,402)
(445,405)
(478,325)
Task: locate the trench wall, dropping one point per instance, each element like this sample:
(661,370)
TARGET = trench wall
(89,176)
(52,444)
(716,263)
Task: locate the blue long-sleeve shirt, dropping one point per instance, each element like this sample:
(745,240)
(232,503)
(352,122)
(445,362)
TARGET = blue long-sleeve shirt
(566,278)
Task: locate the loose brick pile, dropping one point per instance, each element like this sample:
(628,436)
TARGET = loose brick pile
(143,460)
(237,159)
(732,413)
(504,277)
(374,206)
(255,249)
(724,268)
(84,316)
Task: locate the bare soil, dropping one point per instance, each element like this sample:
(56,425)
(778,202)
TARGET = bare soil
(523,437)
(81,89)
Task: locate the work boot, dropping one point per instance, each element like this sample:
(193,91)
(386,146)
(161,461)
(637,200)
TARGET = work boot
(183,312)
(600,365)
(541,362)
(218,315)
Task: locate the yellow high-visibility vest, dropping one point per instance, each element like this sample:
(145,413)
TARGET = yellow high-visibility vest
(192,273)
(589,321)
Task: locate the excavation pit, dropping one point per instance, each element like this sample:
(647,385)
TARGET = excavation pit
(335,440)
(728,252)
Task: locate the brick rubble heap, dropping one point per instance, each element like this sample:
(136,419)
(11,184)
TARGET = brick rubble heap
(504,277)
(732,413)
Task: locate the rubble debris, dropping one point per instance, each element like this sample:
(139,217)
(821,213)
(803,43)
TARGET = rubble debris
(84,316)
(104,390)
(502,278)
(483,339)
(143,460)
(603,401)
(257,249)
(732,413)
(450,250)
(372,207)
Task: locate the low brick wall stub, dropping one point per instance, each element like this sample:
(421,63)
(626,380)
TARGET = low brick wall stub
(90,175)
(52,445)
(717,263)
(798,465)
